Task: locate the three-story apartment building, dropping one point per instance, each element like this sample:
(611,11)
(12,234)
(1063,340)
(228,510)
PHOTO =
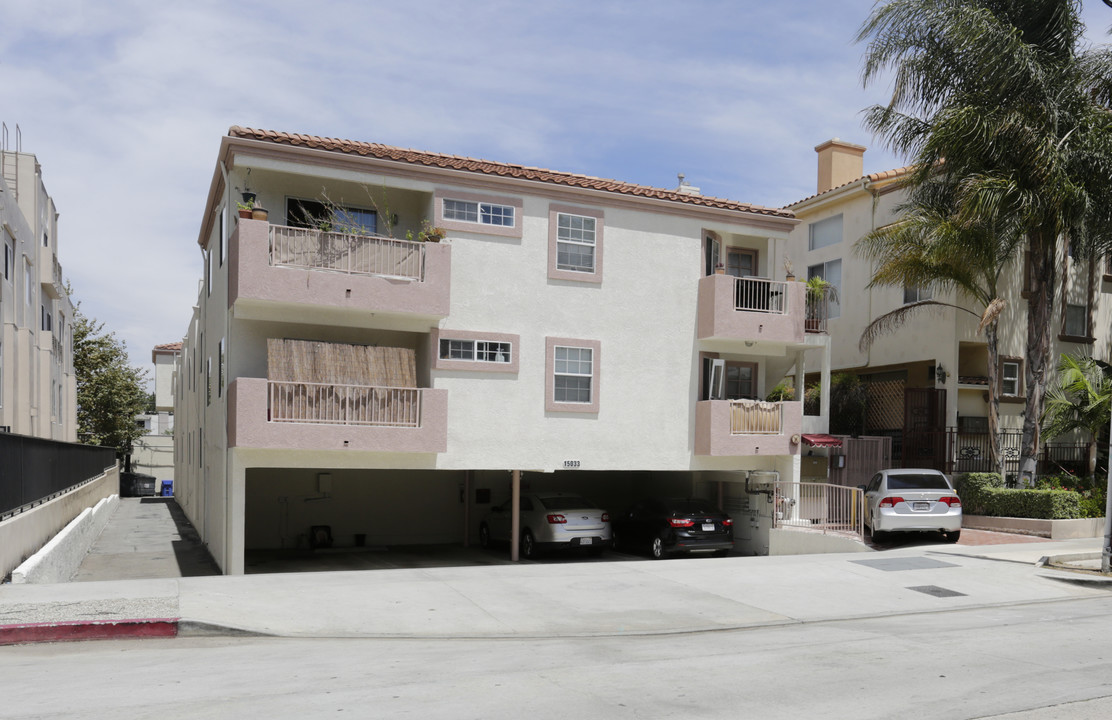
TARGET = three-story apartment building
(38,390)
(927,382)
(408,336)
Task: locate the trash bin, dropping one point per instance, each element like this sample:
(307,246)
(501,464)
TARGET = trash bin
(167,488)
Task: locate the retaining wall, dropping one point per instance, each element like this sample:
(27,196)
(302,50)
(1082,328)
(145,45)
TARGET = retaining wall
(22,535)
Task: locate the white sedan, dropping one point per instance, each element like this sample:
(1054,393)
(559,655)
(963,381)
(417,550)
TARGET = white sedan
(548,521)
(912,500)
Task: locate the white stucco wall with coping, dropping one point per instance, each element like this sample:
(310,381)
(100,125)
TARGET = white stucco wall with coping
(23,535)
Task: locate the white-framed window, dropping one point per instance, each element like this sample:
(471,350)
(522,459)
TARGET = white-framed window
(54,400)
(30,281)
(476,350)
(825,233)
(9,256)
(713,249)
(830,271)
(573,371)
(482,213)
(1077,321)
(208,381)
(917,294)
(1010,381)
(47,319)
(575,242)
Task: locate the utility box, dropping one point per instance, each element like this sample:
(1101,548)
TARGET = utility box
(814,468)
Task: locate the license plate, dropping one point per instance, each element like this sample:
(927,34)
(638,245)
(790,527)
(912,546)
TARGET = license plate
(708,527)
(921,506)
(586,541)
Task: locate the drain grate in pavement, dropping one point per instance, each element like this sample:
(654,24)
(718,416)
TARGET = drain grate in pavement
(936,591)
(905,563)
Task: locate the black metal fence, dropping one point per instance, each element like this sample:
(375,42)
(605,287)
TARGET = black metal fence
(33,469)
(952,451)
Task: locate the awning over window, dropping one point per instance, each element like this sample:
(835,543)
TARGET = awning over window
(821,440)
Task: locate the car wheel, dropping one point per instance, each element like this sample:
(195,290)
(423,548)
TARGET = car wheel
(952,536)
(613,539)
(484,536)
(528,545)
(656,549)
(879,536)
(721,553)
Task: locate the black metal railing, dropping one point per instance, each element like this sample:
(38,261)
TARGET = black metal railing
(33,470)
(952,451)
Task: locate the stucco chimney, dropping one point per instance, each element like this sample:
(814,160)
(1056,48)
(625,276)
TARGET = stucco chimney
(839,163)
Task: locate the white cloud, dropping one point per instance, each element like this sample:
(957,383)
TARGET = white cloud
(124,103)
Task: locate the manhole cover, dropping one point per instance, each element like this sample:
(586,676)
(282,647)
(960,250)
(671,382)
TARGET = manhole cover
(936,591)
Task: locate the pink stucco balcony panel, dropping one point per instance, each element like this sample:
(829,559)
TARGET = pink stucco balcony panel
(252,276)
(248,426)
(713,434)
(720,318)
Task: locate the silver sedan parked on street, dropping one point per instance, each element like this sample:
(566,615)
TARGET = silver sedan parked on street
(550,520)
(912,500)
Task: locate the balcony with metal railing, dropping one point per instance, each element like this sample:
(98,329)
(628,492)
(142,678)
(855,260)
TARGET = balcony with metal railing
(323,416)
(750,308)
(274,268)
(747,427)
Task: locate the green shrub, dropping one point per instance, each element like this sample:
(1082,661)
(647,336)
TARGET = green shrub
(985,494)
(1042,504)
(782,391)
(1093,491)
(972,489)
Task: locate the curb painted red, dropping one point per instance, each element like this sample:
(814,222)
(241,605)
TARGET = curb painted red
(93,630)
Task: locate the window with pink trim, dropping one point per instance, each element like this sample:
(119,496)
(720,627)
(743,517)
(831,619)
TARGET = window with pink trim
(572,375)
(575,243)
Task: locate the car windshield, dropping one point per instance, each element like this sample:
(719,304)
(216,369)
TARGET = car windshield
(692,506)
(566,502)
(926,481)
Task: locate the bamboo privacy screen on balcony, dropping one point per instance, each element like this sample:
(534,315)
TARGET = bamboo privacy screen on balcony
(337,383)
(756,417)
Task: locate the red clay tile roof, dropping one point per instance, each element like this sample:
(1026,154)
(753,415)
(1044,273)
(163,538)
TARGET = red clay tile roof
(486,167)
(872,177)
(170,347)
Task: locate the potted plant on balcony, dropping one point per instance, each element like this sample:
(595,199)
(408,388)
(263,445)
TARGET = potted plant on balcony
(429,233)
(819,293)
(244,209)
(258,212)
(248,197)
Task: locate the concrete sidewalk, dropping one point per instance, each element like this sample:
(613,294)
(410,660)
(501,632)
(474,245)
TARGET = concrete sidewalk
(547,600)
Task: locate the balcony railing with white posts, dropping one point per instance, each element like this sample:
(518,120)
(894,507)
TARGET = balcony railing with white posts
(302,402)
(819,507)
(752,294)
(756,417)
(341,252)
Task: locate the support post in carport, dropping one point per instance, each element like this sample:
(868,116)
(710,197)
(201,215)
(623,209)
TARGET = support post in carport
(465,498)
(515,514)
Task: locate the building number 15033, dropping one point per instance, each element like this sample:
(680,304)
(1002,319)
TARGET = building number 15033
(571,463)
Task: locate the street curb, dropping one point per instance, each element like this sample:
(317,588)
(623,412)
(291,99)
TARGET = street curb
(87,630)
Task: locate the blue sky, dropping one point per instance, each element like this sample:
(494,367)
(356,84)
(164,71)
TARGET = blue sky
(124,103)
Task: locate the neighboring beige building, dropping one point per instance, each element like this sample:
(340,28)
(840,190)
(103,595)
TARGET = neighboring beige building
(153,453)
(38,392)
(569,332)
(927,381)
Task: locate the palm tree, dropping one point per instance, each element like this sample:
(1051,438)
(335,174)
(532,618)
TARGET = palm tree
(926,247)
(1079,399)
(1004,111)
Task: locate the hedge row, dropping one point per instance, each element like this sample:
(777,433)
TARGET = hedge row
(985,494)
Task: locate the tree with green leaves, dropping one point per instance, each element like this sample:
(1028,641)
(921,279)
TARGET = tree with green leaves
(926,247)
(110,392)
(1002,109)
(1079,398)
